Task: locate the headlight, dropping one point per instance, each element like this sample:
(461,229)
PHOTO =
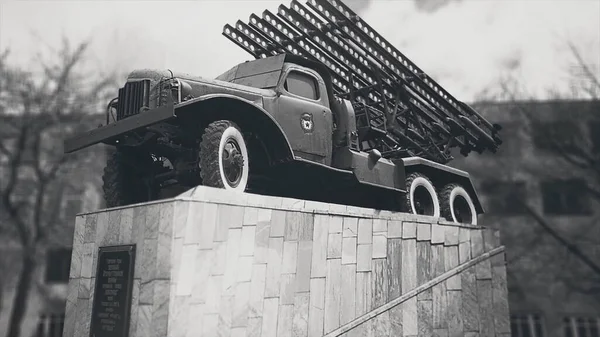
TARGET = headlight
(170,91)
(173,90)
(186,90)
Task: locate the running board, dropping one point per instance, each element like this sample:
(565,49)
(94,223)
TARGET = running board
(414,292)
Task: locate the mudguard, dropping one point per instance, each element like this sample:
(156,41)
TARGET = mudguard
(254,113)
(227,106)
(379,172)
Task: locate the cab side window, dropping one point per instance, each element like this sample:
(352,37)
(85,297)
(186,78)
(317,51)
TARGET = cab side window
(302,84)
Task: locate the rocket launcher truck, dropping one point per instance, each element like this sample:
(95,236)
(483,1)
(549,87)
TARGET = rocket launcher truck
(328,110)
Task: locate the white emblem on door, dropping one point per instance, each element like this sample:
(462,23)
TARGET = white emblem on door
(306,121)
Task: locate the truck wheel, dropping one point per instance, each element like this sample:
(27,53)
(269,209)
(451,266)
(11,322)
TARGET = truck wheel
(421,197)
(224,157)
(123,183)
(457,205)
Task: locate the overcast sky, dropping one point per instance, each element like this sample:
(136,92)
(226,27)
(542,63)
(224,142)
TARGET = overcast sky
(465,45)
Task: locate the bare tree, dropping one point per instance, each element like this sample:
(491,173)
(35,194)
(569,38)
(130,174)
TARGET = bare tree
(39,107)
(573,153)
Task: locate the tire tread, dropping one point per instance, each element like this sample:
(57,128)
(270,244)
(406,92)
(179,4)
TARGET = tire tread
(120,182)
(409,180)
(209,153)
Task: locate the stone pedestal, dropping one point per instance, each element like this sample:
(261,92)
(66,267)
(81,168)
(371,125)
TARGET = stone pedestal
(217,263)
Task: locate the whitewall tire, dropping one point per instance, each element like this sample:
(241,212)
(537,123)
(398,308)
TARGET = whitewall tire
(457,205)
(224,157)
(421,196)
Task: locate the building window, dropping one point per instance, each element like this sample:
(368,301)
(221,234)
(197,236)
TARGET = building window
(512,140)
(594,129)
(581,327)
(58,265)
(51,325)
(505,197)
(565,197)
(527,325)
(547,135)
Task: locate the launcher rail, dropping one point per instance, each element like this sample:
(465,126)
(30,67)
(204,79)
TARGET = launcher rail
(400,110)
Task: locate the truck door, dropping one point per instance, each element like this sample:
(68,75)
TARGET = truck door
(304,114)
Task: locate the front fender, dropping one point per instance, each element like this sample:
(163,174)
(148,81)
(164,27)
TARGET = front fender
(248,114)
(255,101)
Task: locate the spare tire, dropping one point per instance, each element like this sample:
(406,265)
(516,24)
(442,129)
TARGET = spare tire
(421,197)
(457,205)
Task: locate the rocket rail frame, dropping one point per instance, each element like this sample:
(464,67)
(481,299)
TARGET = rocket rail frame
(417,116)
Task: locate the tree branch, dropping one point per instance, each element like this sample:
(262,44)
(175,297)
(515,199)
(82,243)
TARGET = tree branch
(570,156)
(38,211)
(586,69)
(14,164)
(564,242)
(37,110)
(55,212)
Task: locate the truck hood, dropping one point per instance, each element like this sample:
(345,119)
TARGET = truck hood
(201,86)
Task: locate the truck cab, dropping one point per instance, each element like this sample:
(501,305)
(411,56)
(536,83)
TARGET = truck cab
(302,109)
(314,121)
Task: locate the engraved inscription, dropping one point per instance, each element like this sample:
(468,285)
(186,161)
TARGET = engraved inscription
(112,297)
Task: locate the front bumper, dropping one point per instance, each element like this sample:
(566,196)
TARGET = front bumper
(110,132)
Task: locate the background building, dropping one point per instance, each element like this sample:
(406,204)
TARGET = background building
(549,160)
(76,191)
(552,293)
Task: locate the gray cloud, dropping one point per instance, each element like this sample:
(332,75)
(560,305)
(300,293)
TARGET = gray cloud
(464,44)
(512,62)
(430,6)
(359,6)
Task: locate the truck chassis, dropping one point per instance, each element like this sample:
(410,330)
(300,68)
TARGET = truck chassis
(329,111)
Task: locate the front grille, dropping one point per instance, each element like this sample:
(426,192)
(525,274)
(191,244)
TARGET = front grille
(132,97)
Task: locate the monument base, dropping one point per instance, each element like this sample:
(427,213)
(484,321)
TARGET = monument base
(211,262)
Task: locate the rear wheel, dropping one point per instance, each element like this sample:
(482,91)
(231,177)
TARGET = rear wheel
(224,157)
(127,179)
(421,197)
(457,205)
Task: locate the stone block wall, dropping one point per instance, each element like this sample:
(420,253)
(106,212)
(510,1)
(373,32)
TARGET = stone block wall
(218,263)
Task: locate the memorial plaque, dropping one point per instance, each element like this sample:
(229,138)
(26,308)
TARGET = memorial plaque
(112,297)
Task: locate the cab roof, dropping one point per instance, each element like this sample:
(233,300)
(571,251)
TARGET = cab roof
(264,73)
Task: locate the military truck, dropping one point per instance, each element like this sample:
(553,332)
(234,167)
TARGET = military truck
(328,111)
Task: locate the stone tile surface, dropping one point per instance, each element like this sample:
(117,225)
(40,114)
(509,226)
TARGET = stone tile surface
(214,263)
